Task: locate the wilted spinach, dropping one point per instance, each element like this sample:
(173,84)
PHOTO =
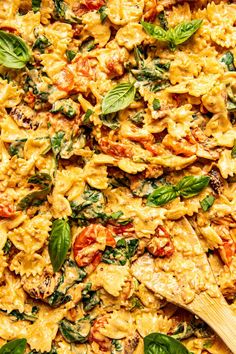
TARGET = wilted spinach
(228,60)
(72,274)
(123,251)
(76,332)
(41,44)
(35,198)
(90,298)
(92,209)
(110,120)
(152,74)
(23,316)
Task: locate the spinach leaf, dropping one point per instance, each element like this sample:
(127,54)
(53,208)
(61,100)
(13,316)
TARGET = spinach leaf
(233,151)
(102,13)
(153,74)
(90,298)
(70,54)
(228,60)
(145,187)
(158,343)
(156,104)
(60,8)
(14,52)
(56,143)
(35,198)
(72,274)
(118,98)
(77,332)
(116,346)
(36,5)
(173,36)
(22,316)
(59,243)
(41,43)
(190,186)
(110,120)
(135,303)
(16,148)
(123,251)
(67,107)
(138,118)
(7,247)
(231,106)
(16,346)
(87,45)
(86,118)
(58,298)
(162,195)
(148,73)
(207,202)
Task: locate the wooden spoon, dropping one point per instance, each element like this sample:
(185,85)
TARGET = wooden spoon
(186,280)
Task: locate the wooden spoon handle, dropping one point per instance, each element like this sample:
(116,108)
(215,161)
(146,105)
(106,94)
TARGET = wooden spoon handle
(217,313)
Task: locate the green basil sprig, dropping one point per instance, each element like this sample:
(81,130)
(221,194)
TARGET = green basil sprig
(118,98)
(173,36)
(188,187)
(59,243)
(16,346)
(44,180)
(158,343)
(207,202)
(162,195)
(14,52)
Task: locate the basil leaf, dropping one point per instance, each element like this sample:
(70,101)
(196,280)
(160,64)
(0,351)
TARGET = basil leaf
(156,32)
(37,197)
(207,202)
(158,343)
(174,36)
(190,186)
(16,346)
(59,243)
(182,32)
(56,142)
(228,60)
(118,98)
(233,151)
(36,5)
(162,195)
(14,53)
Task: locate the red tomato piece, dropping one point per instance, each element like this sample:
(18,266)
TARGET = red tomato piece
(161,244)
